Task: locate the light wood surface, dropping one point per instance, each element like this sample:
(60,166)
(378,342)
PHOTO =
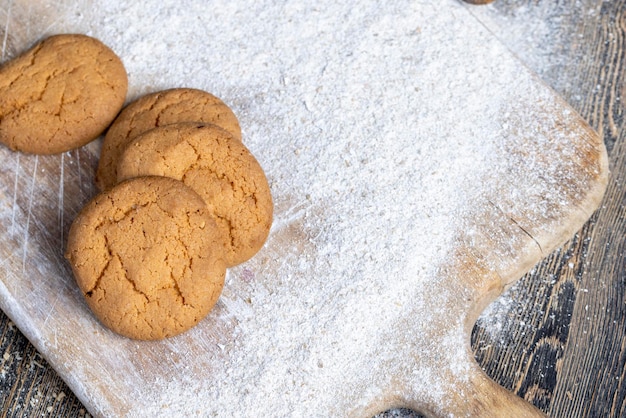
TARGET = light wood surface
(549,349)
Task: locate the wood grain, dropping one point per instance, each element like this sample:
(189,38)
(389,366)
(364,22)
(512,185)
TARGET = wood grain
(29,386)
(561,345)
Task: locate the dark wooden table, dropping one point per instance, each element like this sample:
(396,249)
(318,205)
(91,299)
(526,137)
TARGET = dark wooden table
(556,338)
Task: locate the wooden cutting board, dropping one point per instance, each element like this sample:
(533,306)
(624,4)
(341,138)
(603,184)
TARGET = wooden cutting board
(417,169)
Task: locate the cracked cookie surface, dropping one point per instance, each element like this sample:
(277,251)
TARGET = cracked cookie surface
(219,168)
(158,109)
(146,255)
(60,94)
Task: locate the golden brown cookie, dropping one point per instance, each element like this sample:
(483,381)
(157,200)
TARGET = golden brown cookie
(147,256)
(60,94)
(217,166)
(158,109)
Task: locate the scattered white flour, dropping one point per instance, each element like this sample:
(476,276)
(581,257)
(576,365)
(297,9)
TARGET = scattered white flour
(536,31)
(402,149)
(492,319)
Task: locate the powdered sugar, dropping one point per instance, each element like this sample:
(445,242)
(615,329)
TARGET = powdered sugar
(397,140)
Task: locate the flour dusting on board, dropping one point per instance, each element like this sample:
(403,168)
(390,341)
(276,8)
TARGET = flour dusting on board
(400,147)
(534,32)
(539,49)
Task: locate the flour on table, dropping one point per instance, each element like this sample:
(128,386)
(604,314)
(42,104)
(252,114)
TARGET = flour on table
(390,136)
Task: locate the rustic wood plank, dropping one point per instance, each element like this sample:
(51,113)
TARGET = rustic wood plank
(562,342)
(28,385)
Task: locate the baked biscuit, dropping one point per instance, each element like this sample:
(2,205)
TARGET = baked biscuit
(158,109)
(219,168)
(147,256)
(60,94)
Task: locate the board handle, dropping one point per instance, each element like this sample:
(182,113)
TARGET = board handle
(485,398)
(477,397)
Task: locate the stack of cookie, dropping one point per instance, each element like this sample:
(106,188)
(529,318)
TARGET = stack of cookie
(192,136)
(182,199)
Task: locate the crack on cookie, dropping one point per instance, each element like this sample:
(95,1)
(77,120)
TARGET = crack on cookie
(131,125)
(193,165)
(162,110)
(230,239)
(21,70)
(173,279)
(134,285)
(123,214)
(97,283)
(178,291)
(99,63)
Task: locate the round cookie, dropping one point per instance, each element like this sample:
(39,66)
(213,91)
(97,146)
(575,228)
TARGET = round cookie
(158,109)
(60,94)
(219,168)
(147,256)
